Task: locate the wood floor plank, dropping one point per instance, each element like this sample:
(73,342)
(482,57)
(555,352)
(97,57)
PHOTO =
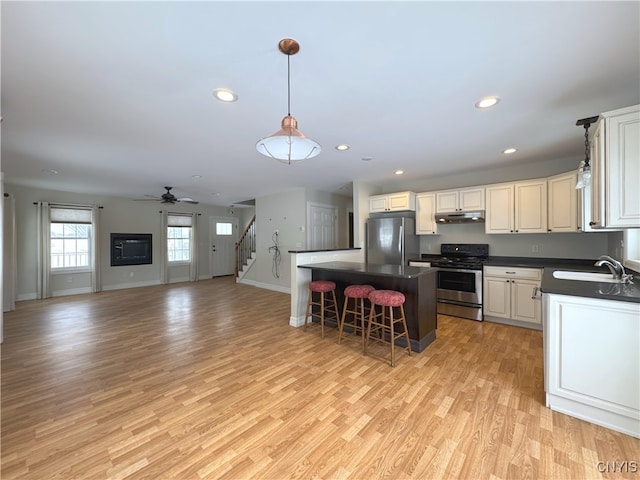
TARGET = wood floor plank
(207,380)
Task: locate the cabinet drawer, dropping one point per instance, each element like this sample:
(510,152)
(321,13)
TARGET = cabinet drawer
(529,273)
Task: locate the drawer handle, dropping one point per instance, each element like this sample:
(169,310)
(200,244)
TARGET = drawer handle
(510,273)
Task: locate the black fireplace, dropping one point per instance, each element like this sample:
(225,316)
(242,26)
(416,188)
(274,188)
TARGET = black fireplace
(130,249)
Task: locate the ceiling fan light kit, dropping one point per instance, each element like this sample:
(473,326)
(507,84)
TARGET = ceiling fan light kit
(288,144)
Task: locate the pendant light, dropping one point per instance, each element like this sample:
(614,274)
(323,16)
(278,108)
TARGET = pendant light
(288,144)
(584,168)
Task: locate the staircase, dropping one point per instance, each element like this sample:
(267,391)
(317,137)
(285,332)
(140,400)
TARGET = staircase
(246,250)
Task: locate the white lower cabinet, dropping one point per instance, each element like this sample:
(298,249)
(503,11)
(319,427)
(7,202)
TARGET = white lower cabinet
(509,296)
(591,360)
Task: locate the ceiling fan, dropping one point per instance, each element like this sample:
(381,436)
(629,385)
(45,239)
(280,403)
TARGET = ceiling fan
(168,197)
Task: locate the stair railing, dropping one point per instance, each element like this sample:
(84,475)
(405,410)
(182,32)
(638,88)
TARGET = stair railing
(246,245)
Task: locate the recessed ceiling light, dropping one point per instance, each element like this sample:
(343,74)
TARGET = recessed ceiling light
(367,159)
(487,102)
(399,172)
(225,95)
(50,171)
(342,147)
(509,151)
(196,176)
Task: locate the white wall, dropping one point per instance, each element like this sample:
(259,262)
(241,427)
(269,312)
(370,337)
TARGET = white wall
(119,215)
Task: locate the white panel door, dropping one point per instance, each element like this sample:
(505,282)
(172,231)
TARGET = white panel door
(322,230)
(223,233)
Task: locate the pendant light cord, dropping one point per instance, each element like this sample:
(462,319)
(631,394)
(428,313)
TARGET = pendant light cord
(288,84)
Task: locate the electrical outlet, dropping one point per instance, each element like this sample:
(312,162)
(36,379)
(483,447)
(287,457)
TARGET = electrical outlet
(535,248)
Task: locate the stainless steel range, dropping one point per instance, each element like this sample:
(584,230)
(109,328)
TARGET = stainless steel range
(460,279)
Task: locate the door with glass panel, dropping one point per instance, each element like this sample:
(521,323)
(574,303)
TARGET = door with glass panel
(223,233)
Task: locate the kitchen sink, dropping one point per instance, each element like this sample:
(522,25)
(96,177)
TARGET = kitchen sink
(585,276)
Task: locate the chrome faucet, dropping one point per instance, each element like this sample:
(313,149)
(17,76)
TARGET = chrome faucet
(615,267)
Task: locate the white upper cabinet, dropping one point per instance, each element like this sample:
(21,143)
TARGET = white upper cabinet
(462,200)
(425,214)
(563,202)
(499,216)
(615,164)
(392,202)
(531,206)
(519,207)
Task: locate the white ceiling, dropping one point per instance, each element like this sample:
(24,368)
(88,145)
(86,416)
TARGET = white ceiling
(117,96)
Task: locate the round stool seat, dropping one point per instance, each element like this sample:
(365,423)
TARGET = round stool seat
(387,298)
(358,291)
(322,286)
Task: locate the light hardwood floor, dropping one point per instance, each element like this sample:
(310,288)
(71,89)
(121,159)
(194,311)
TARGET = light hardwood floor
(208,380)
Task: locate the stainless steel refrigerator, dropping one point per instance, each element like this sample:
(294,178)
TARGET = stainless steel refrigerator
(392,240)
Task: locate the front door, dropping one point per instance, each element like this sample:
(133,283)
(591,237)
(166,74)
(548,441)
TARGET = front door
(223,233)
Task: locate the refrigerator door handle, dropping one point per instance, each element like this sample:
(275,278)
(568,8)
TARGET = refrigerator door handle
(401,243)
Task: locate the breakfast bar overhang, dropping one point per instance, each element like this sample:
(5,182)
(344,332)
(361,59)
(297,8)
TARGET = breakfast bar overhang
(418,284)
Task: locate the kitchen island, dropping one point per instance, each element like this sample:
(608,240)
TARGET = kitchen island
(417,283)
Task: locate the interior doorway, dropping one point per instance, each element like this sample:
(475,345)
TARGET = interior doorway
(223,233)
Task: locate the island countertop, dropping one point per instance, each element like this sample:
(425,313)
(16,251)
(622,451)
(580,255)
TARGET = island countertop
(387,270)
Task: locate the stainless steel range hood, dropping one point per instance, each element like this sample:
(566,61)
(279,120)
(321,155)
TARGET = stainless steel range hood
(460,217)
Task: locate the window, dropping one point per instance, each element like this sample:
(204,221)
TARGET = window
(179,238)
(70,236)
(632,249)
(224,228)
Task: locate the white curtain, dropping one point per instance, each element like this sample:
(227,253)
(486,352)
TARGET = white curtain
(10,255)
(96,274)
(193,267)
(43,257)
(164,223)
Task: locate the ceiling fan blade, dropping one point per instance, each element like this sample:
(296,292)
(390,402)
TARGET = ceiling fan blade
(187,200)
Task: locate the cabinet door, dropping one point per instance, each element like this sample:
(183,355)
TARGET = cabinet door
(622,134)
(523,307)
(425,214)
(499,217)
(378,204)
(563,203)
(447,202)
(496,297)
(471,199)
(598,166)
(593,363)
(531,206)
(398,201)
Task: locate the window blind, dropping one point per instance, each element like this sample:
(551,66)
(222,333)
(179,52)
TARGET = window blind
(70,215)
(178,220)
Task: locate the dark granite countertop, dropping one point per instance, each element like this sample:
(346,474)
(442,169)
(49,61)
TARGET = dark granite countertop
(398,271)
(541,262)
(324,250)
(623,292)
(609,291)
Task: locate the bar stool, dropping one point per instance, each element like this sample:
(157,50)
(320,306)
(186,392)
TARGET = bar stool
(384,322)
(355,319)
(322,287)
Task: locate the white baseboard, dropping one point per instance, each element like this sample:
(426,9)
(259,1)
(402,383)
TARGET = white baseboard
(71,291)
(121,286)
(27,296)
(266,286)
(296,321)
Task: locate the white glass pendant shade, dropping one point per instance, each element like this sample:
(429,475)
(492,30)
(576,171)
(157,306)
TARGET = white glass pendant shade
(288,144)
